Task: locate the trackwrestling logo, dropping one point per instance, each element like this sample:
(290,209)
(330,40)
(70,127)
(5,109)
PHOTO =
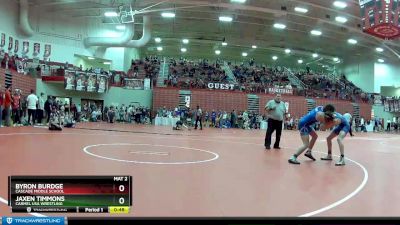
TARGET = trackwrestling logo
(33,220)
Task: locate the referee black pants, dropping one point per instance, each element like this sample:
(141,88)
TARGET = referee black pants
(273,125)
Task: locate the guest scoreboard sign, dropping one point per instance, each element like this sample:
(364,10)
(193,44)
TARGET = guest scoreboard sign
(70,194)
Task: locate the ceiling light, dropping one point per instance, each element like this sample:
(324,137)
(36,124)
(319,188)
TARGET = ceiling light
(110,14)
(120,27)
(254,46)
(106,63)
(379,49)
(335,59)
(300,61)
(340,4)
(90,58)
(185,41)
(315,55)
(341,19)
(217,52)
(168,15)
(274,57)
(157,40)
(279,26)
(244,54)
(352,41)
(287,51)
(159,49)
(300,10)
(224,44)
(225,19)
(238,1)
(316,32)
(381,60)
(183,49)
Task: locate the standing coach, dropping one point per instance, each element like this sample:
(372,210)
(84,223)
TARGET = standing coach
(276,110)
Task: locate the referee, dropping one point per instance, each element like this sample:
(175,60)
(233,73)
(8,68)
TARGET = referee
(276,110)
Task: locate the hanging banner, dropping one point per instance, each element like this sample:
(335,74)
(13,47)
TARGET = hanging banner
(287,107)
(69,80)
(377,99)
(47,51)
(92,82)
(187,101)
(386,106)
(134,84)
(147,84)
(21,65)
(396,105)
(16,47)
(36,49)
(10,43)
(80,81)
(3,40)
(25,47)
(102,80)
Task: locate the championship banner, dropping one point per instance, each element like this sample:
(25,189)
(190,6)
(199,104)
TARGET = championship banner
(16,47)
(91,82)
(80,81)
(147,84)
(102,79)
(69,80)
(47,50)
(391,105)
(36,49)
(287,107)
(3,40)
(386,106)
(396,105)
(377,99)
(134,84)
(21,65)
(25,47)
(220,86)
(287,91)
(187,101)
(10,43)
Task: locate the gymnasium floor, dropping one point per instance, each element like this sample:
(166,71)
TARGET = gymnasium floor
(213,172)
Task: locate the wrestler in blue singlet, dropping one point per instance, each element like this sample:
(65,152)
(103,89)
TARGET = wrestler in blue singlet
(343,126)
(308,120)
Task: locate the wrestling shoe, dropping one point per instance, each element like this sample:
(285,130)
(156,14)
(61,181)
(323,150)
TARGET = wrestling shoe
(309,155)
(293,160)
(327,158)
(340,162)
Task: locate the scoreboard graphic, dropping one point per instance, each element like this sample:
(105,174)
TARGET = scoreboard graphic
(70,194)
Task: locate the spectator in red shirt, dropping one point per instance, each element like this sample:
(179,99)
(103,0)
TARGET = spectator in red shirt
(7,106)
(16,107)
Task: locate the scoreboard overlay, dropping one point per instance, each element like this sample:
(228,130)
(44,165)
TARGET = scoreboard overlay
(70,194)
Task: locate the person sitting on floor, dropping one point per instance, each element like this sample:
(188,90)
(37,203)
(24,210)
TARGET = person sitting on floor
(69,121)
(55,121)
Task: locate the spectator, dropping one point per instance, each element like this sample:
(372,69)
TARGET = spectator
(16,108)
(47,107)
(32,100)
(7,106)
(40,109)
